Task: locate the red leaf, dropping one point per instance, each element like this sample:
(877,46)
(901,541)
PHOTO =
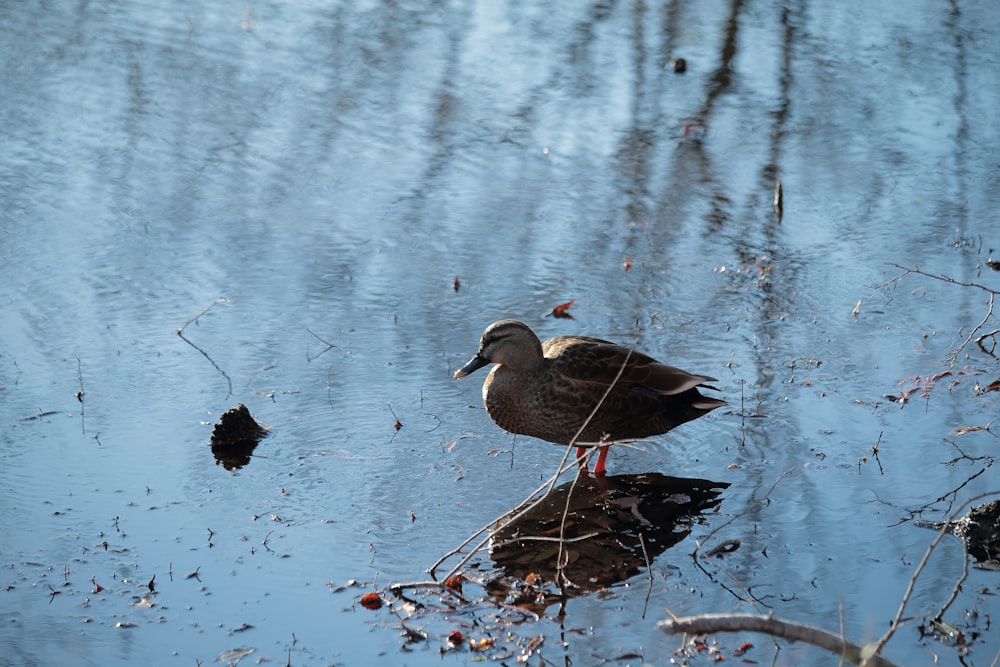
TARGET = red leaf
(562,310)
(371,601)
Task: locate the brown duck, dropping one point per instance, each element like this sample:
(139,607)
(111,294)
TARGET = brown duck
(547,390)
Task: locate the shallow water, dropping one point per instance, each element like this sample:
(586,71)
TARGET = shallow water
(330,168)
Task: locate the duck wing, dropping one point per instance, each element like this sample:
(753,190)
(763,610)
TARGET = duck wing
(592,360)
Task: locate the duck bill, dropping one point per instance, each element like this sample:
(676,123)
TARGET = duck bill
(474,364)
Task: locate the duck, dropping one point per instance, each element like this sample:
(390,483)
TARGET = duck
(550,390)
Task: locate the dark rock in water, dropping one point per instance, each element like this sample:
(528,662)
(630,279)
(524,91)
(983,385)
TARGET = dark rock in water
(235,437)
(980,528)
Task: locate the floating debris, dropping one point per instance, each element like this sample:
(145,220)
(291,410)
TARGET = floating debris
(779,198)
(235,655)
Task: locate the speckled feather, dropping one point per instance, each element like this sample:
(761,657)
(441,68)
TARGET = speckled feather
(547,390)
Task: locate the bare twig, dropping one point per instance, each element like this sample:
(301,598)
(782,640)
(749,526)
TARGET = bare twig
(562,523)
(878,441)
(329,346)
(525,506)
(957,588)
(329,398)
(649,575)
(79,396)
(545,538)
(982,345)
(562,557)
(776,627)
(180,332)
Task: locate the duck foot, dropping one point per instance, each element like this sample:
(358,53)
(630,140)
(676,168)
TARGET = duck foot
(602,456)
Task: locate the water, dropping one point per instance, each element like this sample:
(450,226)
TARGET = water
(329,169)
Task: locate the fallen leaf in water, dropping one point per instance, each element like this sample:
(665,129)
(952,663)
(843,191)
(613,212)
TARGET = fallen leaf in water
(562,310)
(694,132)
(456,284)
(455,638)
(398,425)
(727,547)
(903,397)
(455,583)
(235,654)
(993,386)
(628,264)
(371,601)
(481,644)
(763,268)
(930,380)
(967,429)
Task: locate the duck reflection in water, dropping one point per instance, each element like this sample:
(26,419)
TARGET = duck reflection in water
(612,531)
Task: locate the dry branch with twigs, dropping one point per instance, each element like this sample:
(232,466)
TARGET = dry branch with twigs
(776,627)
(989,337)
(868,655)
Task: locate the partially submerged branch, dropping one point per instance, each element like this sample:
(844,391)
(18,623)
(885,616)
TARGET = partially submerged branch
(895,624)
(776,627)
